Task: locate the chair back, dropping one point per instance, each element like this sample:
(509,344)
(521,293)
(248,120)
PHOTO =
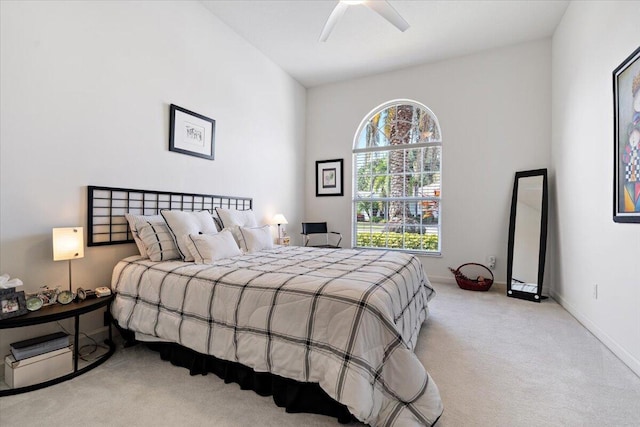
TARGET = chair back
(314,228)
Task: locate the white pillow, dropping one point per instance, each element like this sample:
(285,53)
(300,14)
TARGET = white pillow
(137,221)
(158,242)
(257,239)
(231,217)
(181,224)
(207,248)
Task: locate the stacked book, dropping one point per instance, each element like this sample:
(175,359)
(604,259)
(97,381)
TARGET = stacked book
(39,345)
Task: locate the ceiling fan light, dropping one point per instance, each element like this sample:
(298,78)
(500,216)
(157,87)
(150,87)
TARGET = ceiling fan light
(381,7)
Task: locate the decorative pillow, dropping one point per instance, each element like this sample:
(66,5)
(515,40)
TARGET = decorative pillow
(158,242)
(231,217)
(257,239)
(207,248)
(137,221)
(218,223)
(181,224)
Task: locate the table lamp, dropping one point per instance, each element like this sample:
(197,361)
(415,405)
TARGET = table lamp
(68,244)
(279,219)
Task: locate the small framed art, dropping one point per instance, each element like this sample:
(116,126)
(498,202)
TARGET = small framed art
(191,133)
(12,303)
(329,178)
(626,124)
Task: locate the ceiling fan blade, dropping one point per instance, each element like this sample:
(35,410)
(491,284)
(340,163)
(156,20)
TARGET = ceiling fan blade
(335,16)
(384,9)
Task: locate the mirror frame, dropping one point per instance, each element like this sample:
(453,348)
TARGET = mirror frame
(537,296)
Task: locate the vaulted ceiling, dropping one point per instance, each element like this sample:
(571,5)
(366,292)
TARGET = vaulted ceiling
(363,43)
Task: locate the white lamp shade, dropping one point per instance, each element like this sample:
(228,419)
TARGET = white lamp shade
(280,219)
(68,243)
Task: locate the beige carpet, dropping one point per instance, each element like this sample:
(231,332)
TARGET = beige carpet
(497,361)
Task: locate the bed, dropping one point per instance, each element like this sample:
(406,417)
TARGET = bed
(343,320)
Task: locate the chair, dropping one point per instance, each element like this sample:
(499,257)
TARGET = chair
(311,228)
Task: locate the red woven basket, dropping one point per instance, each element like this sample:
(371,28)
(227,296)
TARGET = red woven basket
(480,283)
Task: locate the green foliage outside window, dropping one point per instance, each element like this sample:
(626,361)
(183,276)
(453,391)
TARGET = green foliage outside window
(412,241)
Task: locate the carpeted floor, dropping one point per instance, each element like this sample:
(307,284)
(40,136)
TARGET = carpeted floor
(497,361)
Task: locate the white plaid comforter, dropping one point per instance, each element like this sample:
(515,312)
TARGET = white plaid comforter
(345,319)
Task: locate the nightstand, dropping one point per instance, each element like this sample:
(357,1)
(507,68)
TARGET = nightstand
(54,313)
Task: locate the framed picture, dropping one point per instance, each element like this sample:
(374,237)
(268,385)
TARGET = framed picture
(626,125)
(12,303)
(191,133)
(329,176)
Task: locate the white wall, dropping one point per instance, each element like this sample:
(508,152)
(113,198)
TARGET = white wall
(493,108)
(85,93)
(591,41)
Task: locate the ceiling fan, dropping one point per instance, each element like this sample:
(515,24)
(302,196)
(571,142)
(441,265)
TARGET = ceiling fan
(381,7)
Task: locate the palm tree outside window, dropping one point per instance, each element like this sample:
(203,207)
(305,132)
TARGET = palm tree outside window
(397,158)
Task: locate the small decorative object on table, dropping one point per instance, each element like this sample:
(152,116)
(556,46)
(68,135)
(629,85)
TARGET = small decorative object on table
(482,281)
(6,282)
(65,297)
(102,291)
(47,295)
(12,303)
(34,303)
(84,294)
(284,241)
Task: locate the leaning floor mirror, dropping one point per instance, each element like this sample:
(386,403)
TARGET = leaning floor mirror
(527,235)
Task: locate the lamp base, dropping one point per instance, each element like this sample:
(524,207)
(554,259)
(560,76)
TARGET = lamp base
(70,289)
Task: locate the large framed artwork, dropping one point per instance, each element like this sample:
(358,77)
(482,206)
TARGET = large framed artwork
(329,178)
(626,117)
(191,133)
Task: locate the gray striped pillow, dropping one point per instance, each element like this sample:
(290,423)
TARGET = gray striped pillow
(158,241)
(137,221)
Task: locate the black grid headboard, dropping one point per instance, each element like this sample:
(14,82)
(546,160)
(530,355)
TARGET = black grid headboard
(107,205)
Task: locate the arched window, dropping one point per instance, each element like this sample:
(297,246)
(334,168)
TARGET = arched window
(397,158)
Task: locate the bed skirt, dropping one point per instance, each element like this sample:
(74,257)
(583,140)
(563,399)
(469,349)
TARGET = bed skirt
(292,395)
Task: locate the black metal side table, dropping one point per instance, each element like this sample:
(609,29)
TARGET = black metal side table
(56,312)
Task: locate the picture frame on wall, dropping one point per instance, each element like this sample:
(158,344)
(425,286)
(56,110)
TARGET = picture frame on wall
(626,158)
(329,178)
(191,133)
(12,303)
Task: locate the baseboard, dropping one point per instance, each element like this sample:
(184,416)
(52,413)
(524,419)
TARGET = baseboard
(610,343)
(496,287)
(99,335)
(603,337)
(442,280)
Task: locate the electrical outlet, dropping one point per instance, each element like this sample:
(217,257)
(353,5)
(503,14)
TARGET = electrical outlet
(491,260)
(595,291)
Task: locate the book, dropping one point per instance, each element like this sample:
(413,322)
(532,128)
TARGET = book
(39,345)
